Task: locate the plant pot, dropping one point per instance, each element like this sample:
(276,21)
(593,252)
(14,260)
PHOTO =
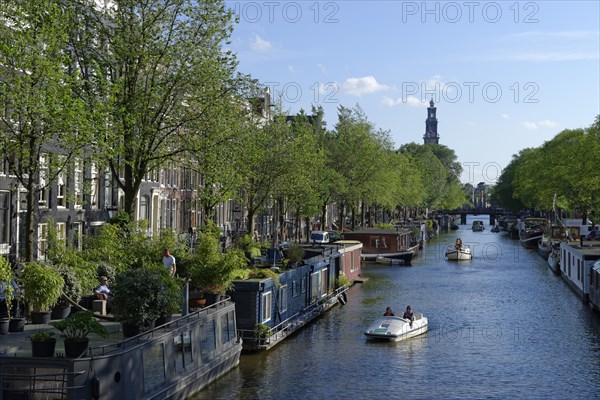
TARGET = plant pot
(4,323)
(44,348)
(75,348)
(130,330)
(212,298)
(196,303)
(40,317)
(163,319)
(60,312)
(16,325)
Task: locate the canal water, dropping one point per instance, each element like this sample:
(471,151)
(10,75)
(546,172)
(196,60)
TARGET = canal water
(500,326)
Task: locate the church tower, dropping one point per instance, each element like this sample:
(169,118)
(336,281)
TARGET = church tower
(431,134)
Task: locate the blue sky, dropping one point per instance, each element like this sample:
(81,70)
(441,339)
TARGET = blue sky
(504,75)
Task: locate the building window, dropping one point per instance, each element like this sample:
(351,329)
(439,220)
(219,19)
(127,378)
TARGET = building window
(60,191)
(42,241)
(94,187)
(283,298)
(43,183)
(78,183)
(4,217)
(265,309)
(144,201)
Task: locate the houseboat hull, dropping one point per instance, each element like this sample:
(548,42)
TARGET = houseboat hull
(404,257)
(172,361)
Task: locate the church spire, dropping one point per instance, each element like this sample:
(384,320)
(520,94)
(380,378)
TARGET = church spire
(431,134)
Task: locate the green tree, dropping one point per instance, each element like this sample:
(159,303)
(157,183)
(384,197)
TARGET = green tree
(157,75)
(43,123)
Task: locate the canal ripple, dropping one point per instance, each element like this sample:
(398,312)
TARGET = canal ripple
(500,326)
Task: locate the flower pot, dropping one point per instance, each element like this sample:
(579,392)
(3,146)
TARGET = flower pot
(196,303)
(75,348)
(4,323)
(212,298)
(60,312)
(44,348)
(16,325)
(40,317)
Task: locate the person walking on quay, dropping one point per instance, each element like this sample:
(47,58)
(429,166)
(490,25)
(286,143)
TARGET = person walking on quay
(169,262)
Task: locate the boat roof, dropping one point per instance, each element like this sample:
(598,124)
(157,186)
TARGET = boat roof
(378,231)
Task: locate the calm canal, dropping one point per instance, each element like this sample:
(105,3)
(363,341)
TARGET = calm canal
(500,326)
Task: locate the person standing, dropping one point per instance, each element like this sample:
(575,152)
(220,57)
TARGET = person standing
(169,262)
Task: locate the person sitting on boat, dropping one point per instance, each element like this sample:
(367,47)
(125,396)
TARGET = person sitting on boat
(102,292)
(458,244)
(388,312)
(408,314)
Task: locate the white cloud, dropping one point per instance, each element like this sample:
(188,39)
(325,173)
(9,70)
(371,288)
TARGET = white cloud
(322,68)
(411,101)
(547,123)
(260,45)
(360,86)
(505,116)
(529,125)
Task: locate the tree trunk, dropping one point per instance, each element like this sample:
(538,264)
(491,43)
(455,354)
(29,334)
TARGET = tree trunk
(29,221)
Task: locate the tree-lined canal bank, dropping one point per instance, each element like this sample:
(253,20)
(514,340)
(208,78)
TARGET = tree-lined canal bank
(501,326)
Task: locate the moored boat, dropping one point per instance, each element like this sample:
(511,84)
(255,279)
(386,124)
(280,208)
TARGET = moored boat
(396,328)
(554,261)
(531,231)
(398,244)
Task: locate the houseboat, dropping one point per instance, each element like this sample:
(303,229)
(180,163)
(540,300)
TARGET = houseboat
(169,362)
(531,231)
(269,310)
(399,244)
(552,237)
(576,262)
(594,287)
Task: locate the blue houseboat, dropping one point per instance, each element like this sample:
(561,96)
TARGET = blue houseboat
(268,310)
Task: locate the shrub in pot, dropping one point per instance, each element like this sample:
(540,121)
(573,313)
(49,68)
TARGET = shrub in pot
(76,330)
(42,285)
(138,296)
(7,289)
(71,290)
(42,344)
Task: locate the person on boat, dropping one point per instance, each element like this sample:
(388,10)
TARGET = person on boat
(458,244)
(408,314)
(388,312)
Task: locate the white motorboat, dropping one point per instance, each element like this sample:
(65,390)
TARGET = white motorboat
(478,226)
(459,254)
(396,328)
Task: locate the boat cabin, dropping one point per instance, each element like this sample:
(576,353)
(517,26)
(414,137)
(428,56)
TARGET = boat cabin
(383,242)
(576,263)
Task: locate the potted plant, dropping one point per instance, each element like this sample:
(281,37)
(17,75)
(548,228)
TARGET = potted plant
(42,287)
(70,290)
(43,344)
(7,290)
(76,330)
(172,298)
(138,296)
(211,271)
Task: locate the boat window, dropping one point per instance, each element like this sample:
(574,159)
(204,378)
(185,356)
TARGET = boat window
(283,298)
(227,327)
(209,340)
(154,366)
(183,351)
(265,309)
